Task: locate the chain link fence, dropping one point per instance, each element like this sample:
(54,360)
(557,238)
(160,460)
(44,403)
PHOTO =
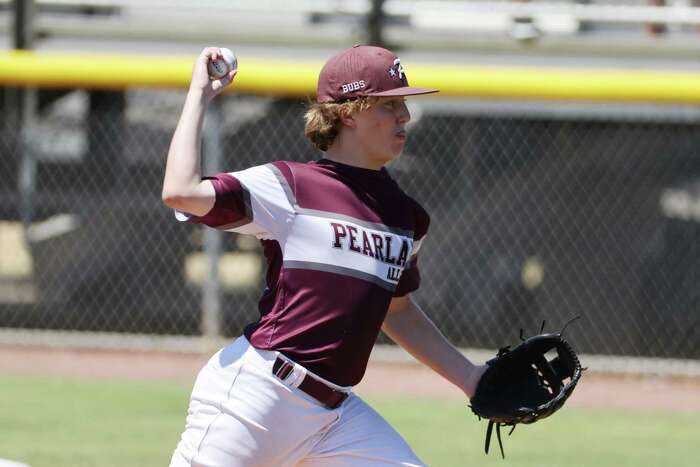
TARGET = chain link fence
(535,215)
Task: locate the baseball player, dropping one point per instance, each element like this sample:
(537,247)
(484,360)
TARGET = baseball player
(341,241)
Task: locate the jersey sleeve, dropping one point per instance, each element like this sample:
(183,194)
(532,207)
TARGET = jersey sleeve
(257,201)
(410,278)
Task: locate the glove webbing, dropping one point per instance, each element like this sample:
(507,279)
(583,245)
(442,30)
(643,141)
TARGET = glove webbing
(489,430)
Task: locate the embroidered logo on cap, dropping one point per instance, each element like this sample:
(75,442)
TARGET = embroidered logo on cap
(354,86)
(397,69)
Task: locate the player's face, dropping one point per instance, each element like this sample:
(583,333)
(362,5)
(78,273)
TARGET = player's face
(382,128)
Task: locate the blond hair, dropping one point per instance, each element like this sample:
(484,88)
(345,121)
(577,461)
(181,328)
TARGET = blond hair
(323,120)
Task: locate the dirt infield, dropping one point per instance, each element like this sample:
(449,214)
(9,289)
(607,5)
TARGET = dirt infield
(679,395)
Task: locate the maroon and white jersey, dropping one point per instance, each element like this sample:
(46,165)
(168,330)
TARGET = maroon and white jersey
(340,242)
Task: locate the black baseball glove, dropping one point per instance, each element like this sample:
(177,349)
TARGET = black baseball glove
(521,385)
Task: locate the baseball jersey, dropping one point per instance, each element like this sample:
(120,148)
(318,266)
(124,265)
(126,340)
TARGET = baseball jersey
(340,241)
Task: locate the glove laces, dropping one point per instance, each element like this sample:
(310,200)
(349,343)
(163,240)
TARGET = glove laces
(489,432)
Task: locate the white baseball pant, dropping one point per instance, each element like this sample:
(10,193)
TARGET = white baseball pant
(240,414)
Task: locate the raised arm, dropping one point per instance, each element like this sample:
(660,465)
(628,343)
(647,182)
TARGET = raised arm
(408,326)
(183,188)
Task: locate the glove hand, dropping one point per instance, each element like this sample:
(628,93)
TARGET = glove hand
(523,386)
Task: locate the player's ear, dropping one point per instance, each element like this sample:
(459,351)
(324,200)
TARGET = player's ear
(348,121)
(347,114)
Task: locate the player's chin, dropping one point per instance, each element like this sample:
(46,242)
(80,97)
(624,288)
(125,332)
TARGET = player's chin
(398,145)
(393,153)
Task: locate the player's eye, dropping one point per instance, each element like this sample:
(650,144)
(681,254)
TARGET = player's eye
(394,103)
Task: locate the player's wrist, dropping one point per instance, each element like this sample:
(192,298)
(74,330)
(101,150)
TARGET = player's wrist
(199,95)
(472,380)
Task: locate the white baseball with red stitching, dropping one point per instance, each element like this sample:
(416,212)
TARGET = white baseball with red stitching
(220,67)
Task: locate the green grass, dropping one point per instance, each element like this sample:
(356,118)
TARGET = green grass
(74,423)
(444,434)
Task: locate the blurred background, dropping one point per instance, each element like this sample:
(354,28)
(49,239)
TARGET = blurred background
(542,208)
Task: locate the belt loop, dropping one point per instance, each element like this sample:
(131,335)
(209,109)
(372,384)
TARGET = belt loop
(282,368)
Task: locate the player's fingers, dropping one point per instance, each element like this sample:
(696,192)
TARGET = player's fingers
(228,79)
(200,73)
(209,53)
(220,84)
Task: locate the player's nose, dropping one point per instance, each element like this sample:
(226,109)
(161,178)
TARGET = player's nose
(403,115)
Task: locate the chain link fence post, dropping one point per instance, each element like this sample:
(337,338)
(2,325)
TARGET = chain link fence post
(211,288)
(22,105)
(375,23)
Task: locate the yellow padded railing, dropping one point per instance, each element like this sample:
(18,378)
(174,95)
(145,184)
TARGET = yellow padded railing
(298,78)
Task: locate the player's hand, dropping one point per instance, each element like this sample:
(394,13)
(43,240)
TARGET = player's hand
(200,74)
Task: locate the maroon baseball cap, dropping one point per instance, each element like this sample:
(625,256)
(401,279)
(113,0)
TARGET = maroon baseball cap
(364,70)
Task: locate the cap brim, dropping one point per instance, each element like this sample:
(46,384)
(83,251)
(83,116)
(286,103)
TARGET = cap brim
(403,91)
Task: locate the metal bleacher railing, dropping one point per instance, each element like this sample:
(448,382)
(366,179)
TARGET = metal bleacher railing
(415,23)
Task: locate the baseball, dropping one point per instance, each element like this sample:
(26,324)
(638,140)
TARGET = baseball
(224,64)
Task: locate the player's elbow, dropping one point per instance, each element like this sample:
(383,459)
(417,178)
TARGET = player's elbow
(173,198)
(193,199)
